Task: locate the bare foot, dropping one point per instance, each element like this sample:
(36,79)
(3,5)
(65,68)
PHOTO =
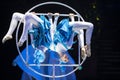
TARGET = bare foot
(88,50)
(20,44)
(83,52)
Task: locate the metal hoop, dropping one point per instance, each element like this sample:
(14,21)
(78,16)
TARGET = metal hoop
(28,65)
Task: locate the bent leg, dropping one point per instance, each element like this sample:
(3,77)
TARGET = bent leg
(89,29)
(89,32)
(77,25)
(29,20)
(15,18)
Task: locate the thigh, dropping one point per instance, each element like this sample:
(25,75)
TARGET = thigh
(18,16)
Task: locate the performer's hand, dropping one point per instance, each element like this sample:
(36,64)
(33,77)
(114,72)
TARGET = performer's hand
(71,15)
(50,15)
(56,14)
(64,58)
(33,13)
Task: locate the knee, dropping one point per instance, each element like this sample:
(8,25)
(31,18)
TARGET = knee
(28,16)
(17,15)
(91,25)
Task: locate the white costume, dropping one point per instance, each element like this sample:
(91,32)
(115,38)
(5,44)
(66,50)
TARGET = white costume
(30,18)
(60,47)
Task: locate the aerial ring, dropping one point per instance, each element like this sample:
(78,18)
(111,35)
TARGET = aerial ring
(44,75)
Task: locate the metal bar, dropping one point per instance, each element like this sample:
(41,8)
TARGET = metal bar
(27,56)
(53,71)
(54,65)
(55,14)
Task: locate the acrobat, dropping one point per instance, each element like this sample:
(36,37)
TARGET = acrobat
(33,19)
(53,40)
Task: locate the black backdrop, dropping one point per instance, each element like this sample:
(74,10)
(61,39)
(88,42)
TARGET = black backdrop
(104,62)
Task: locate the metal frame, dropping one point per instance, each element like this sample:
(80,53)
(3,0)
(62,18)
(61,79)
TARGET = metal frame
(53,65)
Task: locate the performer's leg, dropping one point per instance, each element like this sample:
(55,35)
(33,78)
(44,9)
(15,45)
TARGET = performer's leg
(89,28)
(15,18)
(30,19)
(81,43)
(78,28)
(88,40)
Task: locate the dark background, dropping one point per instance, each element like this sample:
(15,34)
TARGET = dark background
(105,59)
